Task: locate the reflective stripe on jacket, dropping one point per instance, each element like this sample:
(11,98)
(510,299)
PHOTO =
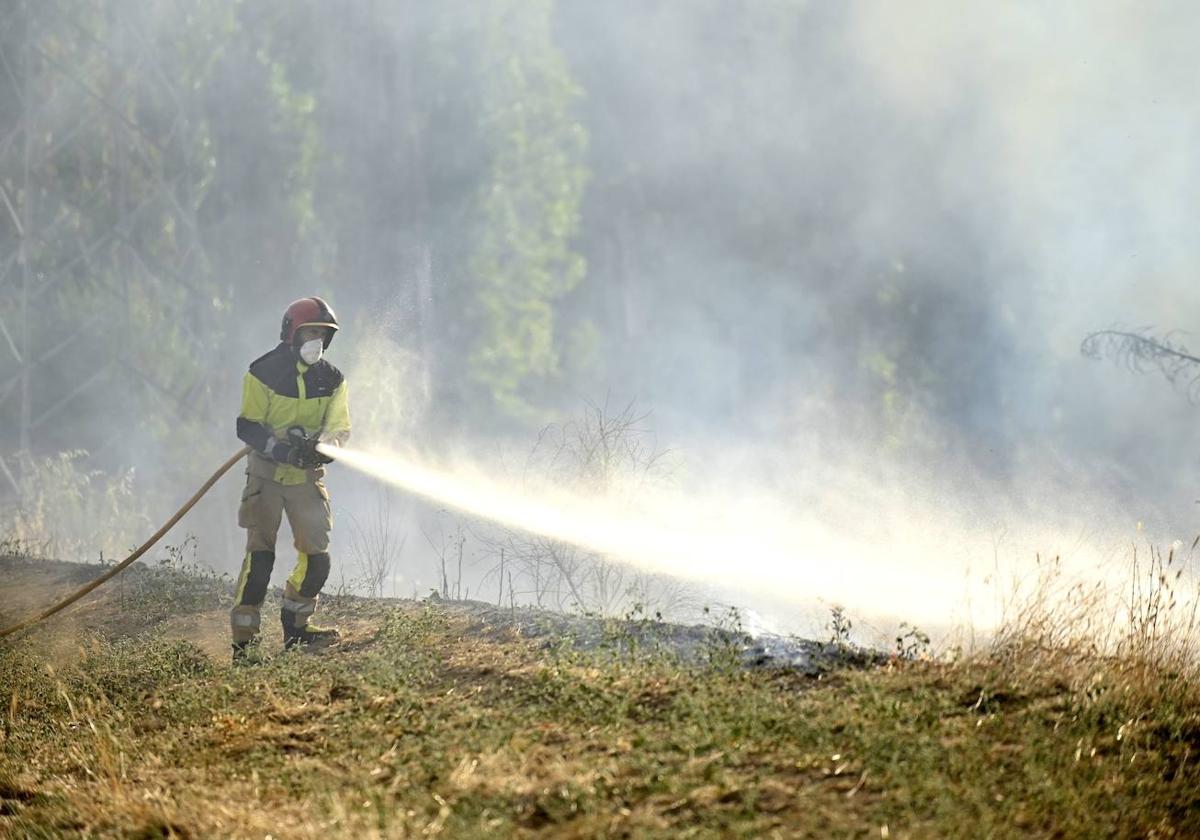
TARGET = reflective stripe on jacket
(279,392)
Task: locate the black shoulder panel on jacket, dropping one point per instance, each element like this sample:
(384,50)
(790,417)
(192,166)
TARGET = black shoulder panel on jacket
(321,379)
(277,370)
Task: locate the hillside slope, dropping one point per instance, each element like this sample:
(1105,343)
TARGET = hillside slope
(123,718)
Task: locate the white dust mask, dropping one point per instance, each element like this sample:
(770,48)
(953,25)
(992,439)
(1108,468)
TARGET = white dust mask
(310,351)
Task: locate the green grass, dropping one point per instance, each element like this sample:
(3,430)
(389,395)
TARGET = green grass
(417,727)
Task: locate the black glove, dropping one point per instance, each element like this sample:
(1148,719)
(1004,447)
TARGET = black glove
(286,453)
(302,450)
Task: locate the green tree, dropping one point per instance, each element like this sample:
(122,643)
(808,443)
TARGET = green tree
(523,259)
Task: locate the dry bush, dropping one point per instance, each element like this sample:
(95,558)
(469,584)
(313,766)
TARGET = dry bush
(1132,656)
(602,453)
(375,546)
(1153,621)
(448,543)
(69,511)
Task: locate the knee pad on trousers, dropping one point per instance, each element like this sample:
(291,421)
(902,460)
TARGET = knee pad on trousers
(244,623)
(254,590)
(316,572)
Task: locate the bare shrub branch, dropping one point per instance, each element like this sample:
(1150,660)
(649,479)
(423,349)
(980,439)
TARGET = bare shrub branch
(376,548)
(601,452)
(1138,351)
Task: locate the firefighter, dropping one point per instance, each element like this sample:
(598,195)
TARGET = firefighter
(292,398)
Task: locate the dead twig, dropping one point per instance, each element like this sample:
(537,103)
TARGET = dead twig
(1139,352)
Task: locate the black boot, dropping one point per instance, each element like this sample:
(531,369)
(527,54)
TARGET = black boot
(246,653)
(305,634)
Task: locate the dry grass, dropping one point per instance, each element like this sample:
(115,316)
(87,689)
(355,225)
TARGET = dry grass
(419,728)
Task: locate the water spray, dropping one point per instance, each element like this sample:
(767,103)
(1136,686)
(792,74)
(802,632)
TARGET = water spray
(749,545)
(746,543)
(912,563)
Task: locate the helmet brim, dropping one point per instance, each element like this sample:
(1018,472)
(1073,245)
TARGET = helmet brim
(328,337)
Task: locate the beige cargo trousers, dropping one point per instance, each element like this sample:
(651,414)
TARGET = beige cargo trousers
(264,502)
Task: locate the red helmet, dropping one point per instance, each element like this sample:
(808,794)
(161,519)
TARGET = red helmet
(308,312)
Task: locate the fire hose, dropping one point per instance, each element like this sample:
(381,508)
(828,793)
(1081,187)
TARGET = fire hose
(132,558)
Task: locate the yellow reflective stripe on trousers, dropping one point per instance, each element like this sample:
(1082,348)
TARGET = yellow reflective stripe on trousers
(300,571)
(241,587)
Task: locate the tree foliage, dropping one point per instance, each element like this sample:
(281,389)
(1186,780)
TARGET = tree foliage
(662,201)
(523,259)
(106,165)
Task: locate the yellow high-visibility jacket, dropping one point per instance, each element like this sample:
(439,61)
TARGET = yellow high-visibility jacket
(279,392)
